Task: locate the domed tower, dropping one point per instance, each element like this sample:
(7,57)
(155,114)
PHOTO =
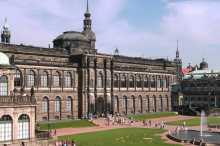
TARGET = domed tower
(203,65)
(5,33)
(75,42)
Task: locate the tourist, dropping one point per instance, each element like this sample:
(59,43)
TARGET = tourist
(55,132)
(22,143)
(73,143)
(65,143)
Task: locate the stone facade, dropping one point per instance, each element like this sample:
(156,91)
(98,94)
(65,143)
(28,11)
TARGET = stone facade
(73,80)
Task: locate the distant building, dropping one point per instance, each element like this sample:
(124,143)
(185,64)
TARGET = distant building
(200,88)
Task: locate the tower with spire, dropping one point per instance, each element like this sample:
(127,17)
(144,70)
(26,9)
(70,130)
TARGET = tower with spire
(5,33)
(178,62)
(87,28)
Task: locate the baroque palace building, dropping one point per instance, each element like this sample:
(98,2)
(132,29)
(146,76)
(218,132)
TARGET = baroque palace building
(73,80)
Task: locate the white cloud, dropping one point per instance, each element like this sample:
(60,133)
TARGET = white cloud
(194,23)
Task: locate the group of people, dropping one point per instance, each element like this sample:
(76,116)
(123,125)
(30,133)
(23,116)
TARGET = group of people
(119,120)
(149,124)
(65,143)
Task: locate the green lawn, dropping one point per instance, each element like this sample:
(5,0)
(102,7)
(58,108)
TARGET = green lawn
(152,115)
(65,124)
(120,137)
(196,121)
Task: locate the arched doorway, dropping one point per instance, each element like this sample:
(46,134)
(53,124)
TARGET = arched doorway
(6,128)
(100,106)
(24,127)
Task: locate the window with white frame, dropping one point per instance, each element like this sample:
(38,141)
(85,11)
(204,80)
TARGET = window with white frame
(44,79)
(17,79)
(24,127)
(30,78)
(3,86)
(5,128)
(45,105)
(57,104)
(56,80)
(69,104)
(68,79)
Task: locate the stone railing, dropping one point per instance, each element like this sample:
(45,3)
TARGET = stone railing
(17,100)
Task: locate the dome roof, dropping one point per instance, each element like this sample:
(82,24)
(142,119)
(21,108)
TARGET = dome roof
(4,60)
(72,36)
(204,64)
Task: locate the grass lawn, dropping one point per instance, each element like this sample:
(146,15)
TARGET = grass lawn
(65,124)
(153,115)
(196,121)
(120,137)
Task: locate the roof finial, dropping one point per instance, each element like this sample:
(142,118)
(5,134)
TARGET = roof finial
(177,50)
(87,9)
(5,26)
(177,45)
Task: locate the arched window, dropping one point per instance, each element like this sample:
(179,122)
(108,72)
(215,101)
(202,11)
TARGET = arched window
(30,78)
(3,86)
(44,79)
(5,128)
(56,80)
(116,104)
(140,104)
(134,104)
(68,79)
(126,104)
(17,79)
(116,85)
(158,82)
(69,104)
(146,82)
(100,83)
(45,105)
(161,83)
(153,82)
(167,82)
(57,104)
(131,81)
(24,127)
(91,83)
(123,81)
(164,83)
(139,82)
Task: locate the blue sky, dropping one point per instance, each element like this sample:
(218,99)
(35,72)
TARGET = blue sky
(146,28)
